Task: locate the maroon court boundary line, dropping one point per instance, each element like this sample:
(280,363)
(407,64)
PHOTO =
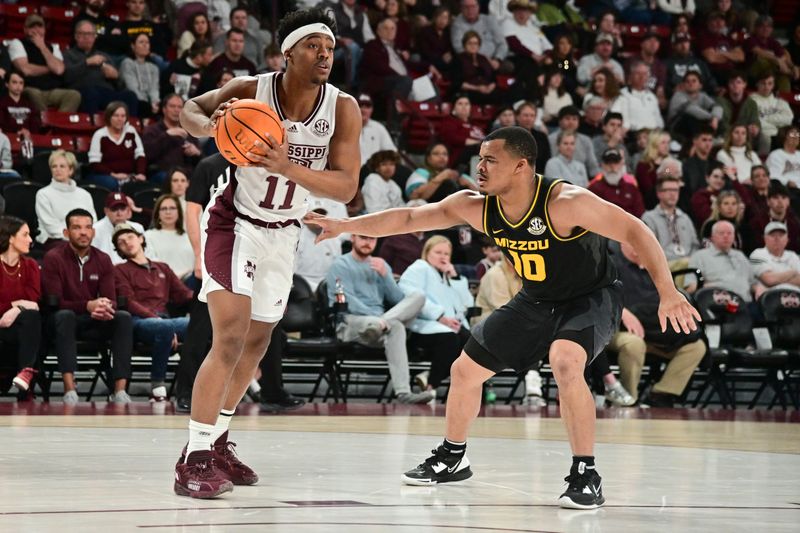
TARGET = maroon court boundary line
(373,409)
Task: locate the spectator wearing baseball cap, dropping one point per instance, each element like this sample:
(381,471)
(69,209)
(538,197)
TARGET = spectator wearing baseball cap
(569,119)
(614,186)
(30,55)
(780,210)
(588,64)
(774,265)
(683,61)
(118,209)
(149,287)
(374,135)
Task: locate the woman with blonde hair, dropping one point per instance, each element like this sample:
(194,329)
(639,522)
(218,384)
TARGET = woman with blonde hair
(737,155)
(441,329)
(655,152)
(61,196)
(728,206)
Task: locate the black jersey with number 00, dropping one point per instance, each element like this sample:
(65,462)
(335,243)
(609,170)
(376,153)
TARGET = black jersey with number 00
(552,267)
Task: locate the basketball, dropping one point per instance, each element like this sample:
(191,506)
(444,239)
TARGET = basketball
(244,123)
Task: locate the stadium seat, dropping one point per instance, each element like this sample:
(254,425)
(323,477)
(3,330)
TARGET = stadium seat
(793,100)
(417,119)
(59,21)
(781,308)
(20,197)
(52,142)
(315,346)
(728,311)
(64,122)
(98,194)
(12,19)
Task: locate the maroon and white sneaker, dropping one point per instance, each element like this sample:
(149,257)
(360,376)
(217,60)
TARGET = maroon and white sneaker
(229,465)
(24,379)
(199,477)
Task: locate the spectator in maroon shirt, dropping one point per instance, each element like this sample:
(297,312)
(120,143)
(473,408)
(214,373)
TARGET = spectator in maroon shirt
(718,49)
(20,289)
(149,287)
(433,41)
(765,53)
(780,210)
(166,143)
(396,10)
(18,114)
(402,250)
(703,199)
(81,279)
(116,153)
(613,186)
(759,191)
(473,74)
(458,133)
(232,58)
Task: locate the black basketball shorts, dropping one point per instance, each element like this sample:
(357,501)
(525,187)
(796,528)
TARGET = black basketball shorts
(518,335)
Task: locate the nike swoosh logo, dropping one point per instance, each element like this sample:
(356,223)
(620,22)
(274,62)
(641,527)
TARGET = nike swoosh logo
(453,468)
(496,231)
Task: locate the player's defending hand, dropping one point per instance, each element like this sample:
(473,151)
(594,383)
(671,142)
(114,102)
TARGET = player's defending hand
(331,227)
(273,156)
(679,312)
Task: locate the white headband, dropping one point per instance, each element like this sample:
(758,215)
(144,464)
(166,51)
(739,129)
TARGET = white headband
(304,31)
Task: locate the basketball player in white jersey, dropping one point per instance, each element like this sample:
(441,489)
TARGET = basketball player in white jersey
(250,230)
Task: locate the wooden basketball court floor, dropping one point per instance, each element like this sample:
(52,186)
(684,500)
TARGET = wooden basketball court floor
(337,468)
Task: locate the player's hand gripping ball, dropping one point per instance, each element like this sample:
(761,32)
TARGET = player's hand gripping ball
(245,122)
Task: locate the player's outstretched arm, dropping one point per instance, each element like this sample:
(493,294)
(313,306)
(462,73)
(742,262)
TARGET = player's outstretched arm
(459,208)
(200,114)
(577,207)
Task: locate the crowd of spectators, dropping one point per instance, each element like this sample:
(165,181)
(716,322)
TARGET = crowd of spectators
(684,115)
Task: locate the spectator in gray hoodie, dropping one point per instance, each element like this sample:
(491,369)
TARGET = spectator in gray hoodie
(690,108)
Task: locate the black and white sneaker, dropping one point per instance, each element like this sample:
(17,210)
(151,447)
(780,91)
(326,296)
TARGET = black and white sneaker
(584,489)
(441,467)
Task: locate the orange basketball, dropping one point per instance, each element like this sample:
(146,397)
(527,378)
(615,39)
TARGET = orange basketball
(244,123)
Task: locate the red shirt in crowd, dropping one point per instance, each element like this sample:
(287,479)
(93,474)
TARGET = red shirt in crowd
(760,221)
(625,194)
(15,116)
(20,282)
(149,288)
(454,132)
(125,155)
(75,281)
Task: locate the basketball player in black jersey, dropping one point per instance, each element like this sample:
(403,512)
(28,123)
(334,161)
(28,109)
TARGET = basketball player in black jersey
(569,307)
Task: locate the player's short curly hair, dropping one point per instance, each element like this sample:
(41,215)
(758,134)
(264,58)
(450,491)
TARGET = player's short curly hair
(304,17)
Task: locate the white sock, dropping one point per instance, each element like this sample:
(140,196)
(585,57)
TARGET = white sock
(255,386)
(223,421)
(200,437)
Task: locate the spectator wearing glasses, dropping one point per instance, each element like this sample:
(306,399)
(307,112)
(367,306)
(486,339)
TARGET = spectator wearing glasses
(672,227)
(166,239)
(92,73)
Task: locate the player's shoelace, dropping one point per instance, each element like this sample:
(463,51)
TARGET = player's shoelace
(228,452)
(576,482)
(439,456)
(203,469)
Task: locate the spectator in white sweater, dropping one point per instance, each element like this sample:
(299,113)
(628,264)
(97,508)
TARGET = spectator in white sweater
(166,240)
(61,196)
(737,155)
(677,7)
(563,165)
(784,163)
(380,191)
(773,112)
(636,103)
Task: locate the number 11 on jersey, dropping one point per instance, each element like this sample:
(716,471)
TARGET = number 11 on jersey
(272,187)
